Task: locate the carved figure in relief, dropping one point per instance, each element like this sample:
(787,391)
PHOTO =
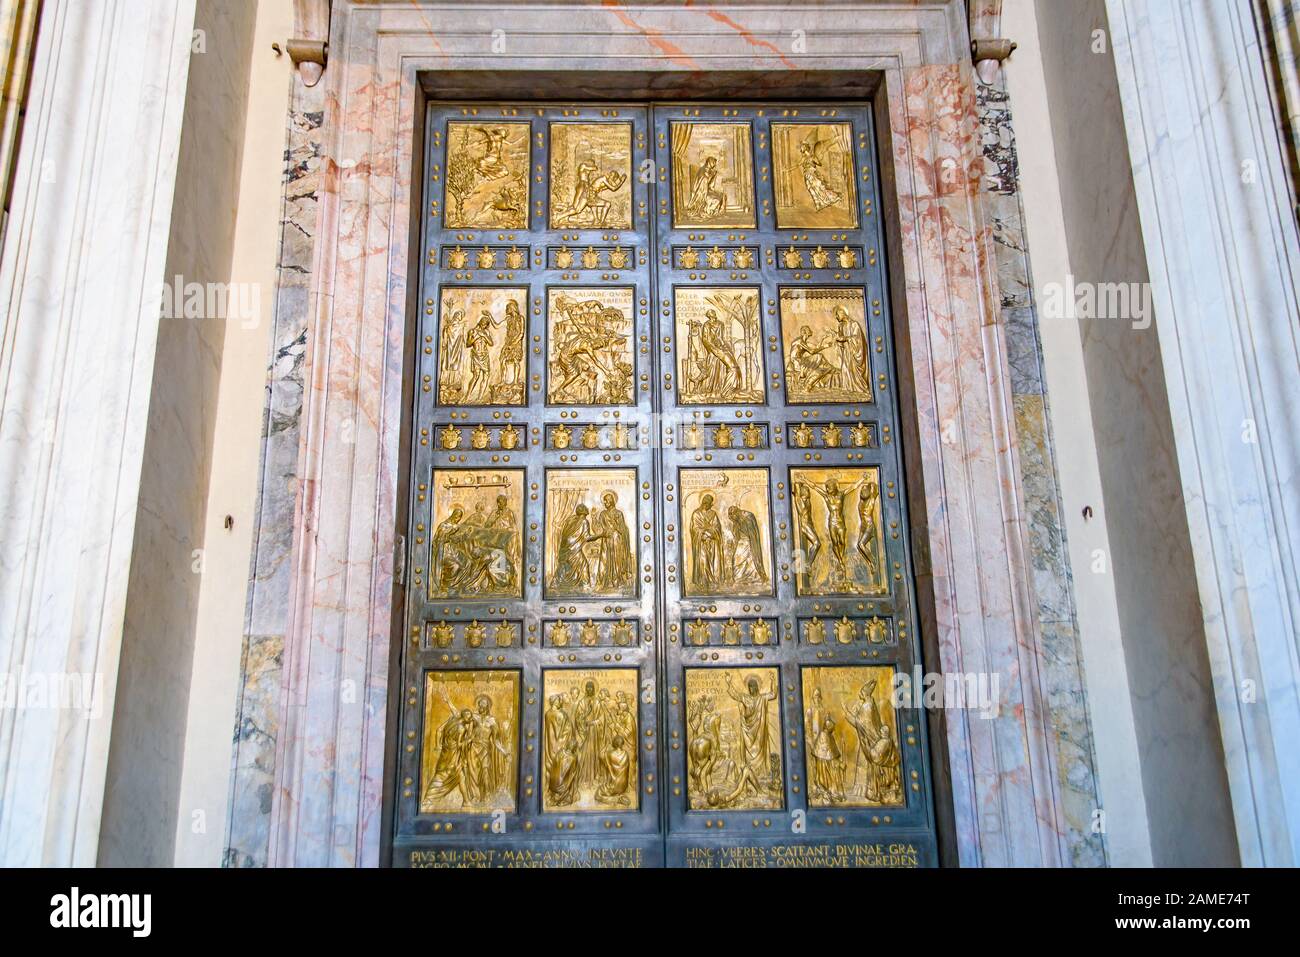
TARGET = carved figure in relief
(479,363)
(473,551)
(589,722)
(450,352)
(853,758)
(836,500)
(478,343)
(756,739)
(817,179)
(589,760)
(755,763)
(726,516)
(877,750)
(590,348)
(868,544)
(733,746)
(455,739)
(705,748)
(827,777)
(712,175)
(587,204)
(810,542)
(706,542)
(713,362)
(851,340)
(722,360)
(474,754)
(591,165)
(561,757)
(512,350)
(489,753)
(747,565)
(826,353)
(589,548)
(706,201)
(572,569)
(617,765)
(812,176)
(464,561)
(487,175)
(806,364)
(613,569)
(839,536)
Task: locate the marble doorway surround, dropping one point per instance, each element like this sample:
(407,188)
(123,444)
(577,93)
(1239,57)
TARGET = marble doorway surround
(970,533)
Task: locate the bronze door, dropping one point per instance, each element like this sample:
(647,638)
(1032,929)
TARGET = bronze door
(658,581)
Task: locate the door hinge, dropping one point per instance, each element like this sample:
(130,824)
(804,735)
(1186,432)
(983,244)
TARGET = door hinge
(399,561)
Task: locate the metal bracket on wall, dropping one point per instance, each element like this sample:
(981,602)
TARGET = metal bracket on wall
(309,47)
(988,54)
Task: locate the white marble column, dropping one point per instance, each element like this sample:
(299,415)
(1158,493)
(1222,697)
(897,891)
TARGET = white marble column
(83,260)
(1224,256)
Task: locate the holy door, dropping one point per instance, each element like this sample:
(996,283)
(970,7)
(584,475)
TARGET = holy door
(659,585)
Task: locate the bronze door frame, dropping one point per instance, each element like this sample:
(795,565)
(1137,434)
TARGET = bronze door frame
(662,829)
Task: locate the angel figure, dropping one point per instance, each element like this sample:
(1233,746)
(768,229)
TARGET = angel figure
(814,156)
(491,165)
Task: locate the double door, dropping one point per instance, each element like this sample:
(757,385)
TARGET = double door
(658,584)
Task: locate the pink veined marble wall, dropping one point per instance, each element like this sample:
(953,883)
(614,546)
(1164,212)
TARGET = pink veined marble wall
(329,768)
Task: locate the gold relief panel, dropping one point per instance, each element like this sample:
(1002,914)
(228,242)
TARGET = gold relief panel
(719,346)
(590,740)
(470,755)
(840,548)
(851,737)
(824,330)
(481,356)
(726,534)
(589,346)
(813,180)
(591,176)
(733,735)
(713,175)
(486,175)
(590,525)
(475,547)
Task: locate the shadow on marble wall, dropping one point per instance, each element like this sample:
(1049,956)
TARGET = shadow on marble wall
(253,770)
